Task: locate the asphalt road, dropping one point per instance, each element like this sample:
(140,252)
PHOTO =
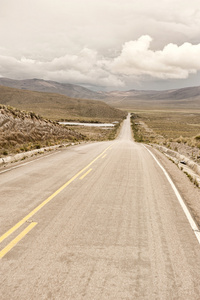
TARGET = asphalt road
(95,221)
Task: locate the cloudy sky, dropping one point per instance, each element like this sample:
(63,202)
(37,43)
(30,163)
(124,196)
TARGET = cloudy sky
(107,44)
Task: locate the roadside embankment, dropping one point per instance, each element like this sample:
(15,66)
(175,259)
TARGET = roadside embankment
(24,155)
(22,131)
(184,163)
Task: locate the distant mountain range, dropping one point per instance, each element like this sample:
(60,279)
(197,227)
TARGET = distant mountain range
(177,98)
(47,86)
(185,98)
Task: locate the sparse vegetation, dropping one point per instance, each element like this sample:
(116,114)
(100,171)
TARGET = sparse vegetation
(37,146)
(59,107)
(23,128)
(196,183)
(171,125)
(193,180)
(137,130)
(98,133)
(176,130)
(5,152)
(22,131)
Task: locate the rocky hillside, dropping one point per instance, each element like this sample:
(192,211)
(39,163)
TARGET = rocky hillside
(23,131)
(48,86)
(58,107)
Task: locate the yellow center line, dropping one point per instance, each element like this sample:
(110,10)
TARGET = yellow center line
(34,211)
(104,156)
(17,239)
(85,174)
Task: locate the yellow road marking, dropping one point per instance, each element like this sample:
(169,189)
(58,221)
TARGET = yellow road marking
(104,156)
(17,239)
(85,174)
(34,211)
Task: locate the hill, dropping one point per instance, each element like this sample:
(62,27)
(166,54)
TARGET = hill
(23,131)
(47,86)
(184,98)
(59,107)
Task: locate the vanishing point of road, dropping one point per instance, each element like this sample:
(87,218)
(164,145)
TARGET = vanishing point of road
(95,221)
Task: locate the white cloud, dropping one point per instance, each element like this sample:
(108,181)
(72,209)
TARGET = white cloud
(135,61)
(46,28)
(86,67)
(105,43)
(173,61)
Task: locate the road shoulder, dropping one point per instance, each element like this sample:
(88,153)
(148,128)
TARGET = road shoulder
(189,192)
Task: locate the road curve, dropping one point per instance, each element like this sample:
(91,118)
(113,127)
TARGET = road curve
(95,221)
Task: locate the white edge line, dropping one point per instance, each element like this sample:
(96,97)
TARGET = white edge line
(180,199)
(28,162)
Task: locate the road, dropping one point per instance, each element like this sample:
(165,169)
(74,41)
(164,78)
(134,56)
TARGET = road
(95,221)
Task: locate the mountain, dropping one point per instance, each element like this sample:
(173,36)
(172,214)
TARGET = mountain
(185,98)
(47,86)
(57,107)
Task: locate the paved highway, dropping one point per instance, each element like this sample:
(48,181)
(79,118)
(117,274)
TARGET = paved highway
(95,221)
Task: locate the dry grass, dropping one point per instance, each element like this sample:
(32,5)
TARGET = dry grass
(171,124)
(59,107)
(22,131)
(97,133)
(21,135)
(177,130)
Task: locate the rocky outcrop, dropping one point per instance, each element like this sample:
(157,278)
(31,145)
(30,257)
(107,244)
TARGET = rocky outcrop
(179,158)
(20,127)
